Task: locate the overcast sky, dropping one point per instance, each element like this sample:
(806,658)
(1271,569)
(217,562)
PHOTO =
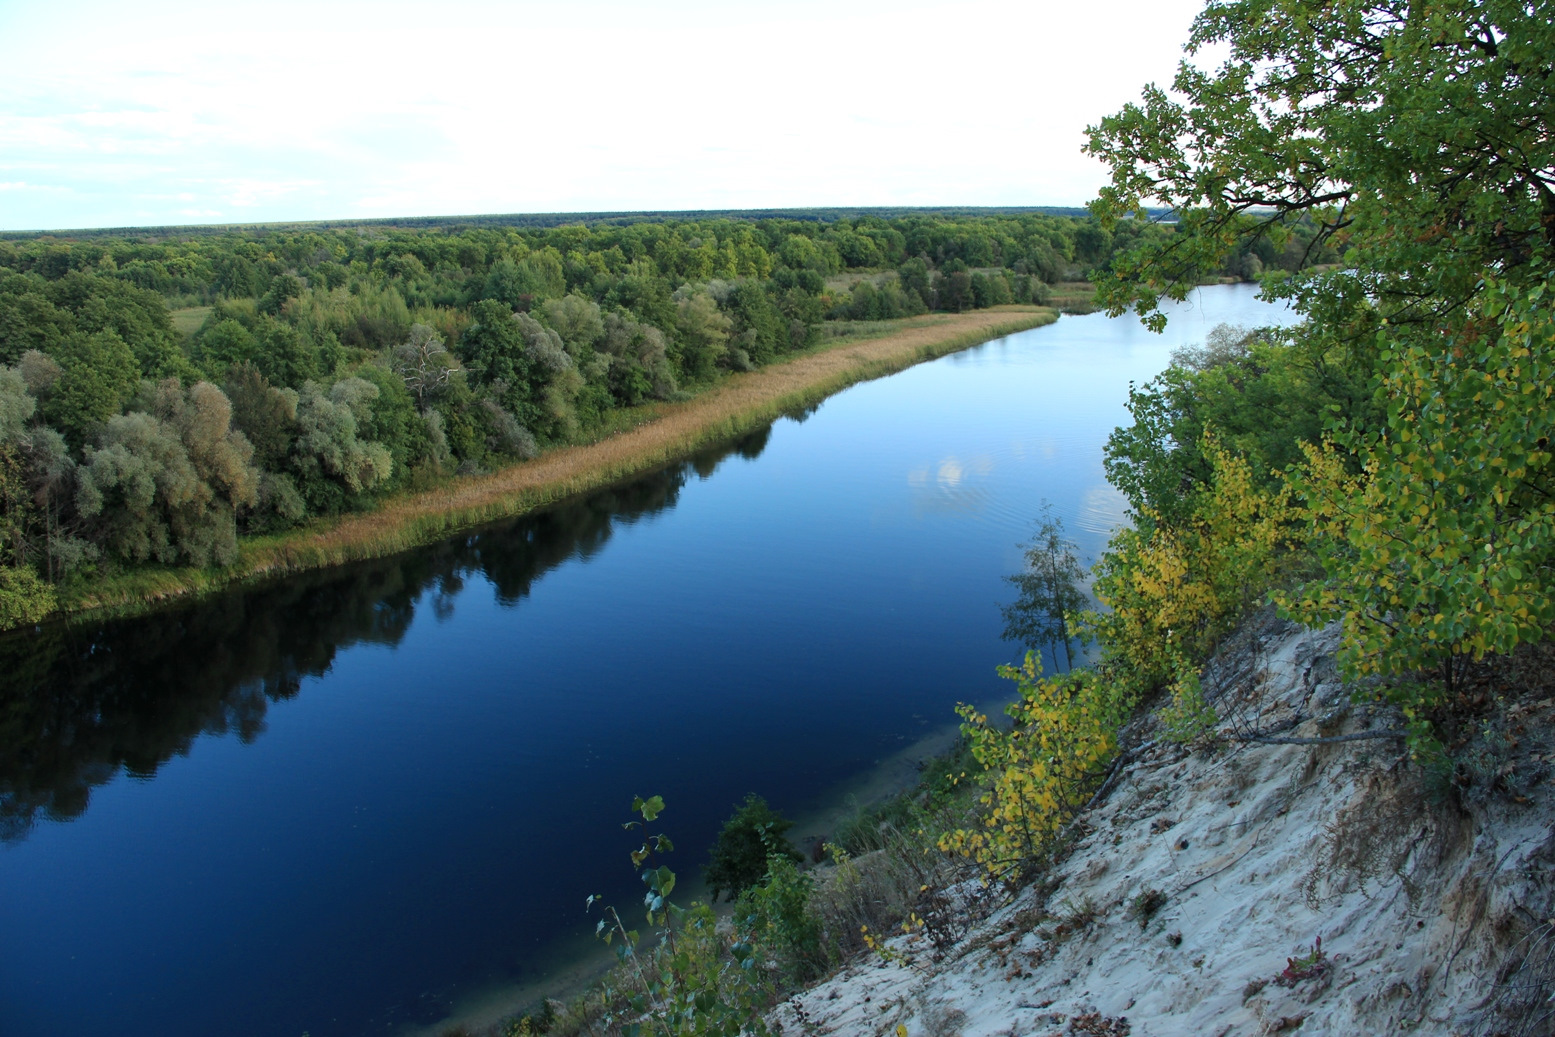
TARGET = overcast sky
(115,114)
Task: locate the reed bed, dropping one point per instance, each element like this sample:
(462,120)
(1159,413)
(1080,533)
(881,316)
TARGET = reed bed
(661,433)
(1074,297)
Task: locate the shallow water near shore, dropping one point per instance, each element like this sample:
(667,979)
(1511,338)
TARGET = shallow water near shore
(365,799)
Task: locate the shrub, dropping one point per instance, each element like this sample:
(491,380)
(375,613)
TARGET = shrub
(752,834)
(1038,772)
(776,914)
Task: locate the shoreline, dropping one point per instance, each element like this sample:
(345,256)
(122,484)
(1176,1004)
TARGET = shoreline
(587,961)
(665,432)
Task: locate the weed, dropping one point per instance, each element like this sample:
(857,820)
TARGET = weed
(776,914)
(1078,915)
(1374,836)
(941,1021)
(1146,904)
(693,981)
(1307,966)
(746,845)
(1525,985)
(531,1024)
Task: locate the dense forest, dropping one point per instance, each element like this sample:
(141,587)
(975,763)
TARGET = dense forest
(162,396)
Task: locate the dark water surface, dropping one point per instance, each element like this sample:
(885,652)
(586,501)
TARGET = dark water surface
(353,802)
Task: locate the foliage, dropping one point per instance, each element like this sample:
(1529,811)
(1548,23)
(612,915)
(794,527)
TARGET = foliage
(1170,586)
(331,465)
(1306,966)
(751,835)
(1438,550)
(98,374)
(1415,137)
(24,598)
(168,484)
(1171,589)
(694,981)
(1040,769)
(777,916)
(486,343)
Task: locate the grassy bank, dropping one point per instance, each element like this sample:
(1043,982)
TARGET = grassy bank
(646,438)
(1074,297)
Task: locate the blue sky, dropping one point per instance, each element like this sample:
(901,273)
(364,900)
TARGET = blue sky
(171,112)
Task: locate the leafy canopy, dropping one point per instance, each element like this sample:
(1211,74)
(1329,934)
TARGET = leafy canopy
(1417,137)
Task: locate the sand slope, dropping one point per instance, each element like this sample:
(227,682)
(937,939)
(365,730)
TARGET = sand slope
(1431,909)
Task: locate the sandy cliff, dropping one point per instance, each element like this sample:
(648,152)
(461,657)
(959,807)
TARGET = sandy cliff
(1195,893)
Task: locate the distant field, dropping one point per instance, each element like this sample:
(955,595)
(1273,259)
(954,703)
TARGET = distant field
(186,322)
(847,279)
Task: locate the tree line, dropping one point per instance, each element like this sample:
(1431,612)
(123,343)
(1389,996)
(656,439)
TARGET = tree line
(162,397)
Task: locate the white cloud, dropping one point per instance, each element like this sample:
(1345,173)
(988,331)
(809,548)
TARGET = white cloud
(295,111)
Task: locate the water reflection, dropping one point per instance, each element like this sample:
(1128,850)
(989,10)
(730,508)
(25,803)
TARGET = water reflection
(82,702)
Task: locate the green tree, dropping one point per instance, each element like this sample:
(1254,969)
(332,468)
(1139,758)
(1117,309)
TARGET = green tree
(224,344)
(333,467)
(24,598)
(577,320)
(282,290)
(98,374)
(168,484)
(639,360)
(759,332)
(704,335)
(263,413)
(1417,137)
(29,321)
(491,348)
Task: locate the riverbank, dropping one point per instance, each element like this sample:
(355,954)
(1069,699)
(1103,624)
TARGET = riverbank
(656,435)
(1317,880)
(884,794)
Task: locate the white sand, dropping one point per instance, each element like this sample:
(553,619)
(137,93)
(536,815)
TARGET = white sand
(1242,843)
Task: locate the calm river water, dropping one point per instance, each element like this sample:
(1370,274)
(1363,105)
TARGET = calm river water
(365,799)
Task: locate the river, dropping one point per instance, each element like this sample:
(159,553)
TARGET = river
(366,799)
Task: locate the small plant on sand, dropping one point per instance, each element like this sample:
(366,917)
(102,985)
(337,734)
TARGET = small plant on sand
(1146,904)
(777,915)
(1304,967)
(888,954)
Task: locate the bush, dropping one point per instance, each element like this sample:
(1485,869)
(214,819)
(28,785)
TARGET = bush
(776,913)
(754,833)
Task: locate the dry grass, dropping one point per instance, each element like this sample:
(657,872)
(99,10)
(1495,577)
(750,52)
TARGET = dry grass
(662,434)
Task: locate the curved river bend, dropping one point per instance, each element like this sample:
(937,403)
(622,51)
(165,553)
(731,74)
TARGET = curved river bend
(368,798)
